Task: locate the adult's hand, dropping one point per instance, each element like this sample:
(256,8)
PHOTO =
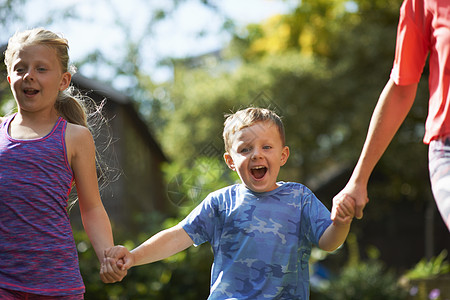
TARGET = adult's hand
(358,193)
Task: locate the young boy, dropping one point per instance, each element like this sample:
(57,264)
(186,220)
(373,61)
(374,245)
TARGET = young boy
(262,230)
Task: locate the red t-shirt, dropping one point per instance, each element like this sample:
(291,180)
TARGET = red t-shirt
(424,27)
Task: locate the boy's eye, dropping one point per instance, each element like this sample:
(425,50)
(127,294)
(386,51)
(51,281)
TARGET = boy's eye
(41,69)
(244,150)
(267,147)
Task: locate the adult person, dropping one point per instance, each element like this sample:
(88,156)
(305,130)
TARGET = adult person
(423,29)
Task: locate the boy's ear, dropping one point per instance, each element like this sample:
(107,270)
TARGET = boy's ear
(284,155)
(229,161)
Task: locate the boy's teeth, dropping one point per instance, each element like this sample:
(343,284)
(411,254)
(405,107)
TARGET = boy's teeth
(259,172)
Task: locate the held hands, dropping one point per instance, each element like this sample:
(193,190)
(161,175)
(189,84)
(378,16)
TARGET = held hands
(343,210)
(115,264)
(349,203)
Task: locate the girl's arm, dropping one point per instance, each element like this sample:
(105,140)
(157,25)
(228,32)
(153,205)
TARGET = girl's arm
(81,155)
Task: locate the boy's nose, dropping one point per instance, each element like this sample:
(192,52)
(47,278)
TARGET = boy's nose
(256,154)
(28,75)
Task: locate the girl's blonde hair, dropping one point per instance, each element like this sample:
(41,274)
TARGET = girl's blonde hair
(246,118)
(69,104)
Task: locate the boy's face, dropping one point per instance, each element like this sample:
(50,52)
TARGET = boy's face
(256,154)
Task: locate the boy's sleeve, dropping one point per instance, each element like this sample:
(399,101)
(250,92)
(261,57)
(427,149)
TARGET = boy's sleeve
(316,218)
(200,223)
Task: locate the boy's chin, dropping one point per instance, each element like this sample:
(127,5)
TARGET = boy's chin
(261,188)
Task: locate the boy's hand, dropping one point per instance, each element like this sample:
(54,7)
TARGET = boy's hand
(122,256)
(357,192)
(343,210)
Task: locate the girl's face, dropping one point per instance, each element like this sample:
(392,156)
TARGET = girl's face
(256,154)
(36,78)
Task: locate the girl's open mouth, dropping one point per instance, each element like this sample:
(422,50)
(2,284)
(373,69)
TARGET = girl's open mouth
(30,91)
(258,172)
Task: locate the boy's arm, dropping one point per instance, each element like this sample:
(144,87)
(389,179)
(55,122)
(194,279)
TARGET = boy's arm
(336,233)
(333,237)
(160,246)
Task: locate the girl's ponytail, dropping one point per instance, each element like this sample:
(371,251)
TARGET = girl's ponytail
(71,107)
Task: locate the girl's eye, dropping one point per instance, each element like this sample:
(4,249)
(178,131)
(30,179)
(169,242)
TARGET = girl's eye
(244,150)
(41,69)
(267,147)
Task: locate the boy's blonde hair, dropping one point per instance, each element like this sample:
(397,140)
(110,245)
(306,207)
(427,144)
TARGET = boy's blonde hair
(248,117)
(69,104)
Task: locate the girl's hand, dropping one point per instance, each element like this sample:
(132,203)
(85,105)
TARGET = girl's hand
(110,271)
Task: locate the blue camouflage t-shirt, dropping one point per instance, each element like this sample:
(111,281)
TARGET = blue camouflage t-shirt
(261,241)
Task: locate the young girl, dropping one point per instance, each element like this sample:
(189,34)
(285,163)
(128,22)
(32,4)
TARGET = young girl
(44,148)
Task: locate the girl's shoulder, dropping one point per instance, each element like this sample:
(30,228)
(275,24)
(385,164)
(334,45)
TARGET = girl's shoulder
(77,133)
(78,140)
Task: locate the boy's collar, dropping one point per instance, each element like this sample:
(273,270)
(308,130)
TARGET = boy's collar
(259,194)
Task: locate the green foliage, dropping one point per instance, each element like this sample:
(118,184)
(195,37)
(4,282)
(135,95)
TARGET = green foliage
(429,279)
(430,268)
(364,281)
(9,12)
(188,186)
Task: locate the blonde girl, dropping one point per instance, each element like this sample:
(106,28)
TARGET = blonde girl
(44,148)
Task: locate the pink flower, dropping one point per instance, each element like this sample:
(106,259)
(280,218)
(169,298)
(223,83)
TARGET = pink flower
(434,294)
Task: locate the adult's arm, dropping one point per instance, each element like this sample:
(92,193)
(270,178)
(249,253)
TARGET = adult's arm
(391,110)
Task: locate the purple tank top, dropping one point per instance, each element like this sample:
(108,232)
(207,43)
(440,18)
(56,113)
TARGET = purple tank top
(37,249)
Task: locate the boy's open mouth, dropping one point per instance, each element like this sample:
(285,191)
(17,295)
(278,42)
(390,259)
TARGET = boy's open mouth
(30,91)
(258,172)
